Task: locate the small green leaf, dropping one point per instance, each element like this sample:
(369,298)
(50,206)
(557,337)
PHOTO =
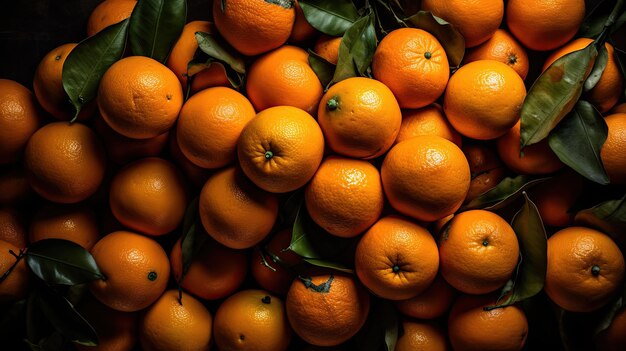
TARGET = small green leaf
(155,26)
(608,313)
(608,217)
(59,261)
(193,238)
(322,68)
(65,319)
(507,191)
(213,50)
(593,26)
(332,17)
(328,264)
(578,139)
(356,50)
(598,69)
(554,94)
(380,331)
(449,37)
(87,63)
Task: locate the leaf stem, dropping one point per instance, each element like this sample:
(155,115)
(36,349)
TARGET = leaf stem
(610,21)
(18,257)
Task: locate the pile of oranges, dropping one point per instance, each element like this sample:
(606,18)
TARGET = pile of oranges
(385,162)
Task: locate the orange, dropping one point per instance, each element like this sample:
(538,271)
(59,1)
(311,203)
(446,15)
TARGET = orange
(278,278)
(215,272)
(396,259)
(327,310)
(252,320)
(556,197)
(283,77)
(418,335)
(254,26)
(135,268)
(196,175)
(328,48)
(612,153)
(64,162)
(184,51)
(301,30)
(281,148)
(438,225)
(209,125)
(149,196)
(117,330)
(486,167)
(476,20)
(621,108)
(13,227)
(536,159)
(609,88)
(234,211)
(360,117)
(172,324)
(345,197)
(614,338)
(470,327)
(413,64)
(19,119)
(479,252)
(432,303)
(139,97)
(74,223)
(504,48)
(14,188)
(15,285)
(107,13)
(585,269)
(428,120)
(484,99)
(544,24)
(426,177)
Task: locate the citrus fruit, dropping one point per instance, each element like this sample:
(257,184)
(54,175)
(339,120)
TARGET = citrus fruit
(501,47)
(15,285)
(428,120)
(107,13)
(276,254)
(612,153)
(556,198)
(431,303)
(74,223)
(193,173)
(419,335)
(117,330)
(486,168)
(328,48)
(302,29)
(13,227)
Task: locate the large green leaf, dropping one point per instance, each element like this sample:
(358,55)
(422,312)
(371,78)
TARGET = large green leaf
(356,50)
(507,191)
(87,63)
(380,332)
(332,17)
(218,52)
(322,68)
(449,37)
(155,26)
(65,319)
(608,217)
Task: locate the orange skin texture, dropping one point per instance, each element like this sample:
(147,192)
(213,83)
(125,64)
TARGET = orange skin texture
(479,252)
(149,196)
(572,255)
(414,79)
(612,153)
(431,303)
(20,117)
(13,227)
(345,305)
(296,144)
(64,162)
(555,197)
(129,261)
(139,97)
(470,328)
(395,242)
(614,338)
(420,335)
(302,29)
(428,120)
(107,13)
(279,280)
(209,126)
(486,167)
(502,47)
(15,286)
(483,99)
(117,330)
(73,223)
(426,177)
(234,211)
(366,120)
(283,77)
(171,324)
(197,175)
(253,27)
(328,48)
(544,25)
(252,320)
(14,188)
(215,272)
(345,197)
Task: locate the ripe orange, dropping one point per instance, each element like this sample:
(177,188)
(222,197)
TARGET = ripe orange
(327,310)
(136,271)
(486,167)
(479,252)
(149,196)
(483,99)
(396,259)
(139,97)
(254,26)
(234,211)
(432,303)
(14,188)
(328,48)
(614,338)
(504,48)
(470,327)
(360,117)
(301,30)
(281,148)
(413,64)
(612,153)
(585,269)
(117,330)
(345,196)
(172,324)
(428,120)
(556,197)
(252,320)
(420,335)
(13,227)
(425,177)
(545,24)
(74,223)
(15,286)
(215,272)
(278,278)
(107,13)
(209,126)
(475,20)
(64,162)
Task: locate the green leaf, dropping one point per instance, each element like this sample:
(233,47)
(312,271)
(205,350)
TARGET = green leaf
(380,331)
(87,63)
(608,217)
(507,191)
(578,139)
(155,26)
(332,17)
(607,315)
(356,50)
(322,68)
(449,37)
(193,238)
(593,26)
(65,319)
(620,59)
(598,69)
(554,94)
(218,51)
(328,264)
(59,261)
